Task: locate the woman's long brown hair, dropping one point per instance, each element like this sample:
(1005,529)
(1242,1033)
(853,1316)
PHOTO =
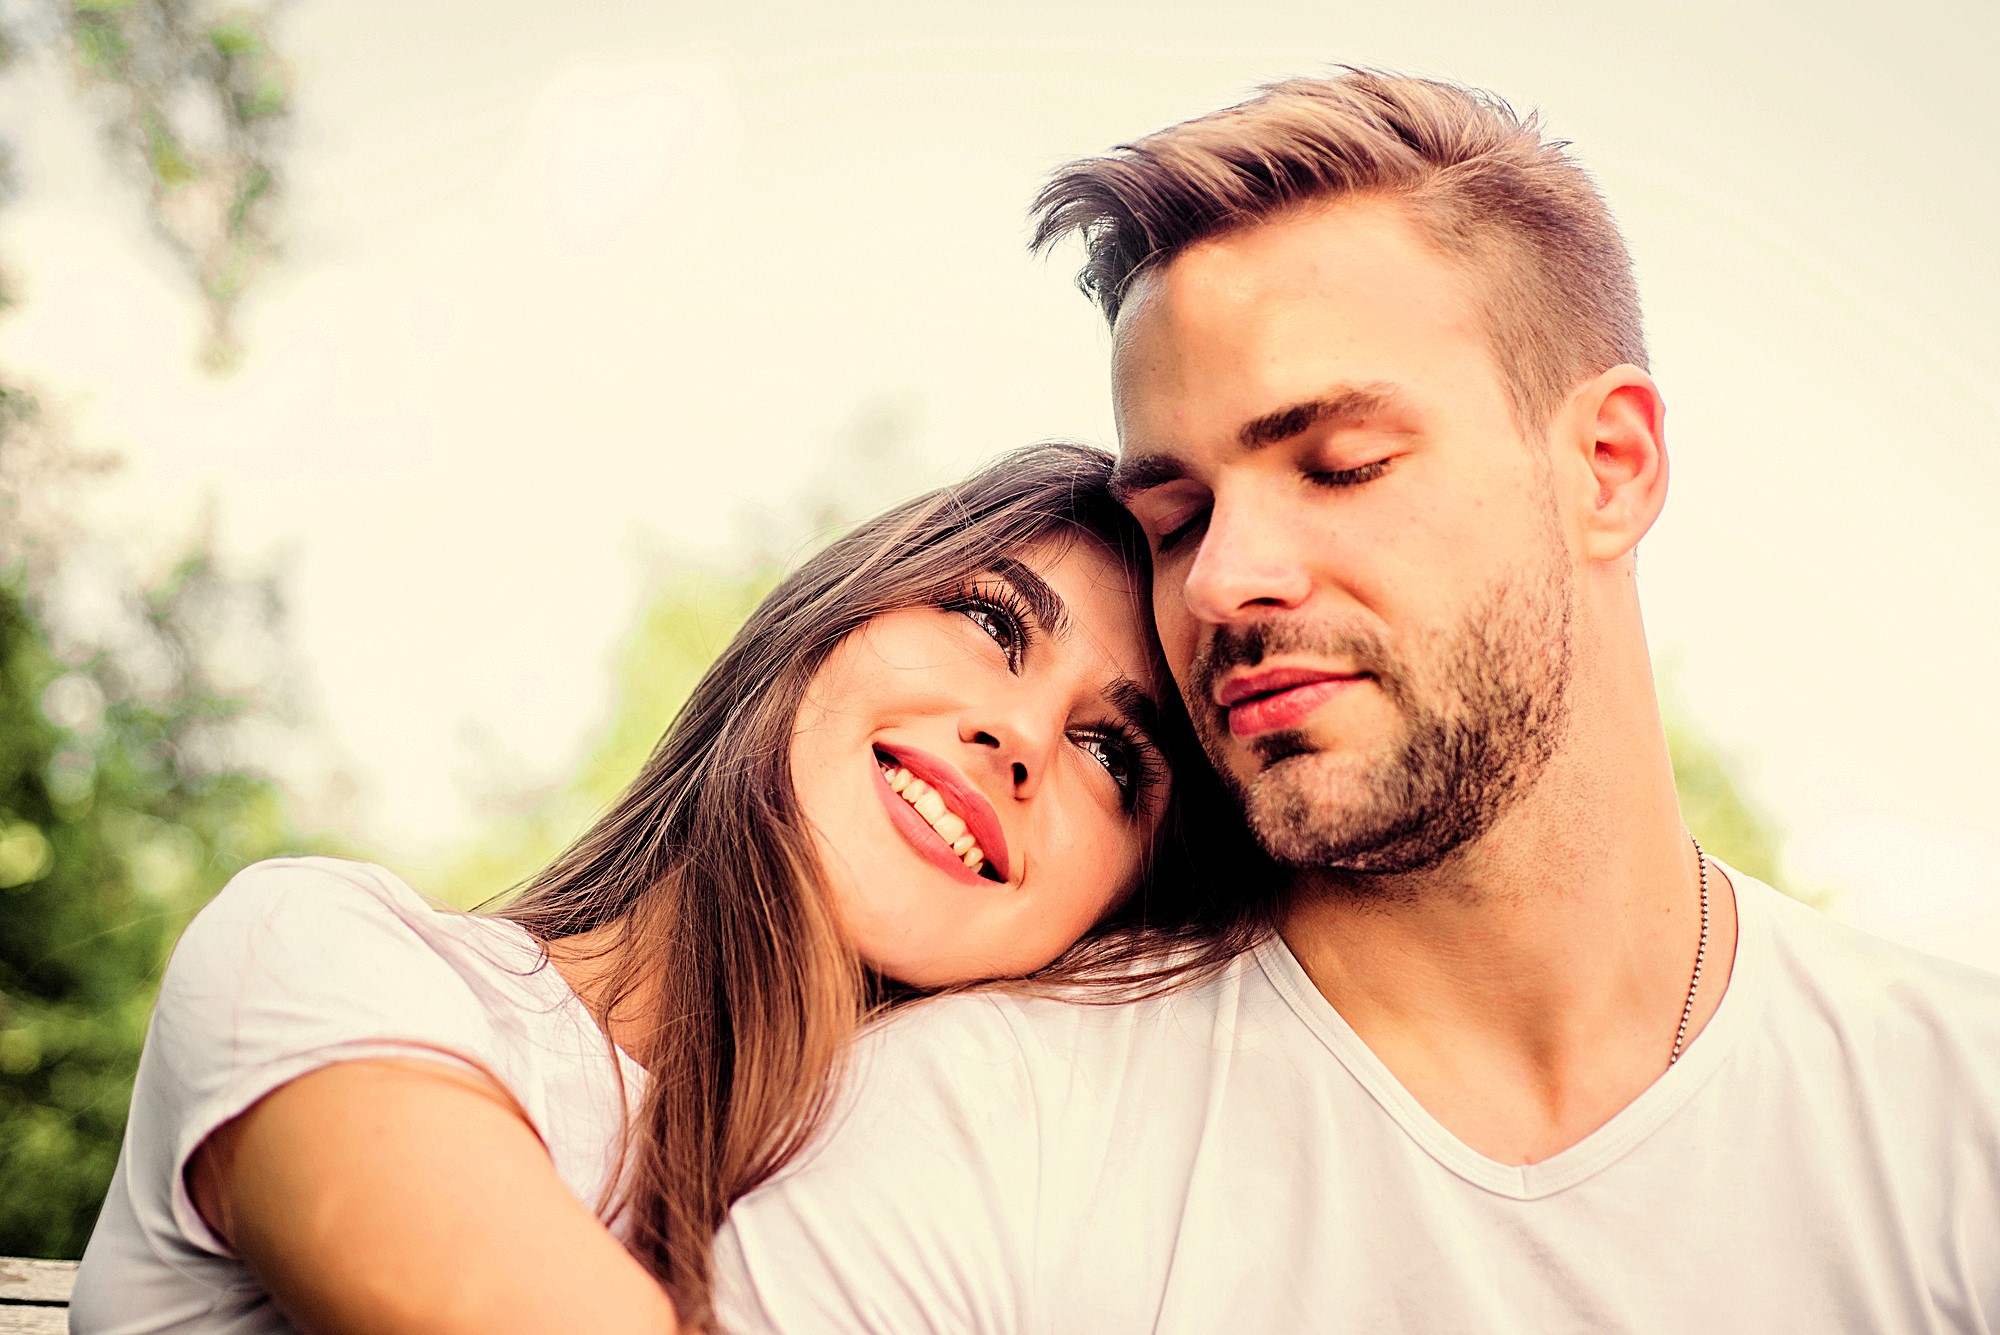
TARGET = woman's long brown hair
(704,868)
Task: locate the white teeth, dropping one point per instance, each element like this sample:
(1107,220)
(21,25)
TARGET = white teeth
(949,825)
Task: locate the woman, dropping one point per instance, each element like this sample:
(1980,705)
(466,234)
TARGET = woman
(942,751)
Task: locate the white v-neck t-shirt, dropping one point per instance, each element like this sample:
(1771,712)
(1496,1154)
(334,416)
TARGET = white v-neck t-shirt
(297,964)
(1231,1157)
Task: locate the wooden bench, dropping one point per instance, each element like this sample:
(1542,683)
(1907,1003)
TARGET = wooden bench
(34,1296)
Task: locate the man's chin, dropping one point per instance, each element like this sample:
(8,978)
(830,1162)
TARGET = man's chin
(1309,806)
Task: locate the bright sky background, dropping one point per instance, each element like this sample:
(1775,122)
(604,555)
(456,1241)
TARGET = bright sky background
(573,281)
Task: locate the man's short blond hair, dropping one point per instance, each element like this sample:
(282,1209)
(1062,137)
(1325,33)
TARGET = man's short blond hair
(1479,180)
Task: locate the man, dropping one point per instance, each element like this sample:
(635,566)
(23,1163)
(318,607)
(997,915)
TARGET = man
(1518,1056)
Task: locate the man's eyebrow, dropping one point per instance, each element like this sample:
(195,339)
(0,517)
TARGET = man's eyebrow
(1043,601)
(1342,406)
(1135,473)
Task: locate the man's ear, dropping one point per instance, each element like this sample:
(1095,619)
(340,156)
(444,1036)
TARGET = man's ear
(1619,426)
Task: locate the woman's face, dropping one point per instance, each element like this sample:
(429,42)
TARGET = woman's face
(983,777)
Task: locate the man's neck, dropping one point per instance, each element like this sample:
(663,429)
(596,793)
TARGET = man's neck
(1530,988)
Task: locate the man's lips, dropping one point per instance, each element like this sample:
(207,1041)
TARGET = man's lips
(1265,699)
(982,822)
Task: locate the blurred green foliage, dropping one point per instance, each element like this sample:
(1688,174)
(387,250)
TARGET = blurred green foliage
(694,610)
(121,812)
(196,98)
(1714,805)
(126,702)
(680,632)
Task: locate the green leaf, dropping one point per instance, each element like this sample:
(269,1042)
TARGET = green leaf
(236,38)
(170,163)
(100,43)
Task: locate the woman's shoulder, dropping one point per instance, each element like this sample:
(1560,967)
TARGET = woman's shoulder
(327,907)
(303,952)
(332,892)
(300,963)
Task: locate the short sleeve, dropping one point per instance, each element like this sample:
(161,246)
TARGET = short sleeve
(916,1209)
(295,965)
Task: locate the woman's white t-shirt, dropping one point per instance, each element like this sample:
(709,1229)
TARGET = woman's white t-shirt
(297,964)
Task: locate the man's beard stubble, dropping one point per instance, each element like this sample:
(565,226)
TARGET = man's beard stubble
(1484,707)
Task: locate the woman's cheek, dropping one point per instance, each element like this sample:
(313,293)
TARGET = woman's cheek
(1101,870)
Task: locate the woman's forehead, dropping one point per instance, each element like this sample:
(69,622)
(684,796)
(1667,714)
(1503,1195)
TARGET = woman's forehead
(1105,618)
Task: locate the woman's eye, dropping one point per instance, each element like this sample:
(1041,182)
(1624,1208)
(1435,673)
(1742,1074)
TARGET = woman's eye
(1113,755)
(998,624)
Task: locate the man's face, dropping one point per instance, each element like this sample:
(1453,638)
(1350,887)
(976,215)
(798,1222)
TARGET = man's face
(1361,576)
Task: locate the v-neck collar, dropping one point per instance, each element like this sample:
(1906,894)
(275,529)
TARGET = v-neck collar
(1602,1147)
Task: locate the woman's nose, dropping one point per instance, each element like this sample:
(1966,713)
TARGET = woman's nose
(1015,743)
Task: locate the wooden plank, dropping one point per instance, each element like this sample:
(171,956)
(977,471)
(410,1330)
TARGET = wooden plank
(34,1296)
(34,1320)
(23,1280)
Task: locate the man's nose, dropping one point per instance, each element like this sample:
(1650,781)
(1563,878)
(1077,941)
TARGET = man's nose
(1248,562)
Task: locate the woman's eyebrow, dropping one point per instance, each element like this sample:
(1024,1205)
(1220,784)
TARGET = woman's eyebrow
(1139,709)
(1043,601)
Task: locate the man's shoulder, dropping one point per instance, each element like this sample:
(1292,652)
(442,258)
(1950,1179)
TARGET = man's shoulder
(1897,993)
(1023,1025)
(1043,1072)
(966,1129)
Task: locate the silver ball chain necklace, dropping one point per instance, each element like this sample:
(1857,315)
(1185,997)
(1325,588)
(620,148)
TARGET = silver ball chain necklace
(1700,953)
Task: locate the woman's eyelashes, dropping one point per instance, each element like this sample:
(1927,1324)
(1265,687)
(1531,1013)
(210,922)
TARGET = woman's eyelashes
(1116,754)
(1002,614)
(1133,763)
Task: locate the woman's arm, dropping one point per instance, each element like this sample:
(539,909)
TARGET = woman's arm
(382,1196)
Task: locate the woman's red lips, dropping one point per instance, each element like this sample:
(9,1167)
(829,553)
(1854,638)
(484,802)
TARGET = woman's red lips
(982,822)
(1265,700)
